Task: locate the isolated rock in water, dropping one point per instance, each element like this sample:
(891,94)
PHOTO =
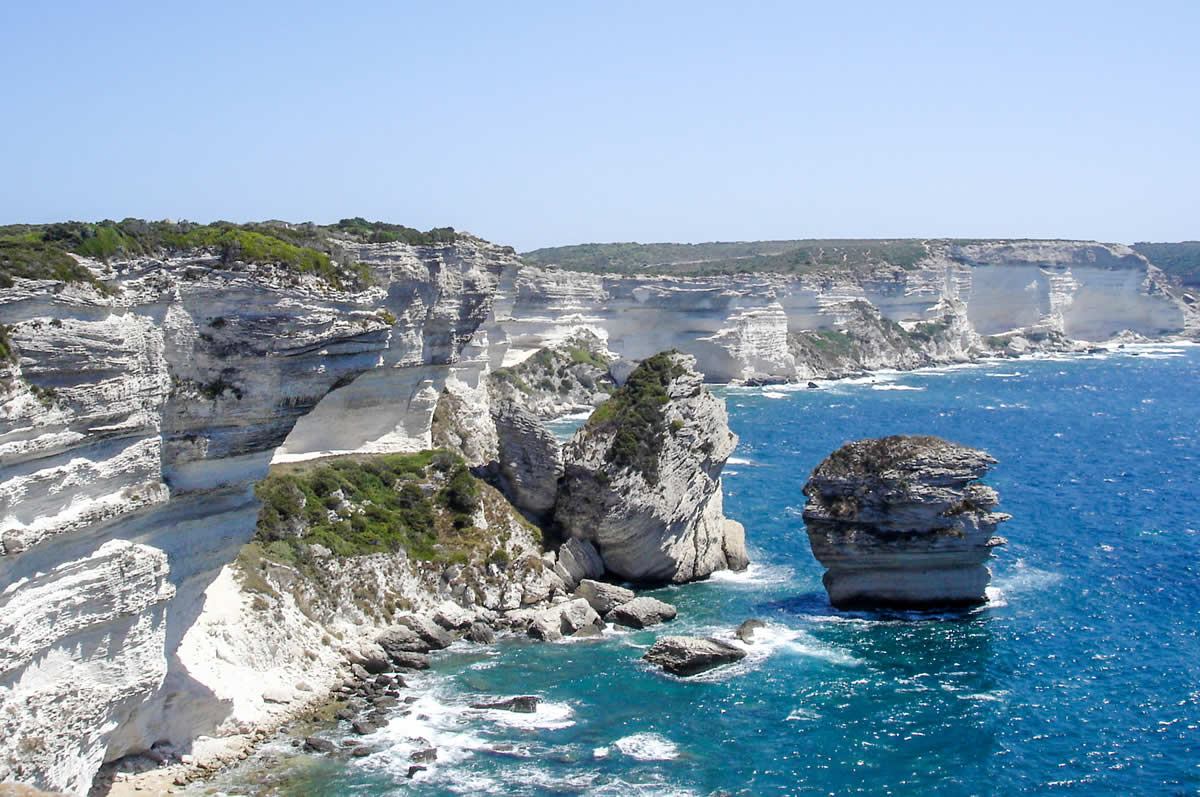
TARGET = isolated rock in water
(687,655)
(525,704)
(745,631)
(578,559)
(642,478)
(903,522)
(603,597)
(641,613)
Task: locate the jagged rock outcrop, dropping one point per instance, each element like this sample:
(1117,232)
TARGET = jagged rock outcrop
(903,522)
(145,412)
(865,340)
(642,478)
(528,460)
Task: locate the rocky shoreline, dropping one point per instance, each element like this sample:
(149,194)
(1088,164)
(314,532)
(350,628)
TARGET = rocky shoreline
(163,771)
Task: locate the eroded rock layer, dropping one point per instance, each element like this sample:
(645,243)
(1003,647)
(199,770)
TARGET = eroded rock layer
(903,522)
(642,478)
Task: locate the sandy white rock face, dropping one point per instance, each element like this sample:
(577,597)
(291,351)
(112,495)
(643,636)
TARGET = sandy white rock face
(903,522)
(144,417)
(666,528)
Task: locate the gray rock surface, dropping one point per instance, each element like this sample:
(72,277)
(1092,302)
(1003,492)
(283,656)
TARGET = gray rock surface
(564,619)
(429,631)
(903,522)
(684,655)
(601,596)
(641,613)
(529,460)
(401,639)
(481,634)
(660,519)
(578,559)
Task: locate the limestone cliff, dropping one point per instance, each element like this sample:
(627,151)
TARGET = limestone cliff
(642,478)
(134,420)
(903,522)
(742,326)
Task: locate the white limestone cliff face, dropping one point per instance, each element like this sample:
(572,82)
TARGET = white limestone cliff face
(145,416)
(903,522)
(659,518)
(737,326)
(289,636)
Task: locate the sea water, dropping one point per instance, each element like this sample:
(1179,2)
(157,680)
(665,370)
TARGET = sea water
(1080,676)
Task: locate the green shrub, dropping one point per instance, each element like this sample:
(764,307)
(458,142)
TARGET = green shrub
(634,416)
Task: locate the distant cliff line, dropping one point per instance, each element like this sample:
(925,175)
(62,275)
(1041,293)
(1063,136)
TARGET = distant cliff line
(849,256)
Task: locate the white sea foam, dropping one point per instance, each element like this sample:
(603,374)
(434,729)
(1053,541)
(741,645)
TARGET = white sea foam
(549,716)
(756,574)
(774,394)
(647,747)
(738,461)
(896,387)
(804,715)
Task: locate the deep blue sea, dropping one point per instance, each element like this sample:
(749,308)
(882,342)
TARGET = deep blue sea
(1081,676)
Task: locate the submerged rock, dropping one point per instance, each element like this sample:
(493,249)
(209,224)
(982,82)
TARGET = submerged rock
(903,522)
(686,655)
(642,478)
(641,613)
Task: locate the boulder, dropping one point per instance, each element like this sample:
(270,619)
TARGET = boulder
(642,478)
(429,631)
(481,634)
(524,704)
(410,661)
(363,728)
(315,744)
(682,655)
(903,522)
(401,639)
(453,617)
(578,559)
(641,613)
(564,619)
(274,694)
(601,596)
(371,657)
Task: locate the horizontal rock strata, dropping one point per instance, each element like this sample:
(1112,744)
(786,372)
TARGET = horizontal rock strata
(903,522)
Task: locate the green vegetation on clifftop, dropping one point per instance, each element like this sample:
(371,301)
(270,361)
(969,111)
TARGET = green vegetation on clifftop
(422,503)
(43,251)
(634,415)
(742,257)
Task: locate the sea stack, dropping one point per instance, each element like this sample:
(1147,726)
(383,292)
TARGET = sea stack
(903,522)
(642,478)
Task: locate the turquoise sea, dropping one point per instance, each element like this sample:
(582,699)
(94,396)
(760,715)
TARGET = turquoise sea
(1081,676)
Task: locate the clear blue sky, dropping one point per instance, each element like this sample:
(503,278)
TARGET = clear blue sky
(538,124)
